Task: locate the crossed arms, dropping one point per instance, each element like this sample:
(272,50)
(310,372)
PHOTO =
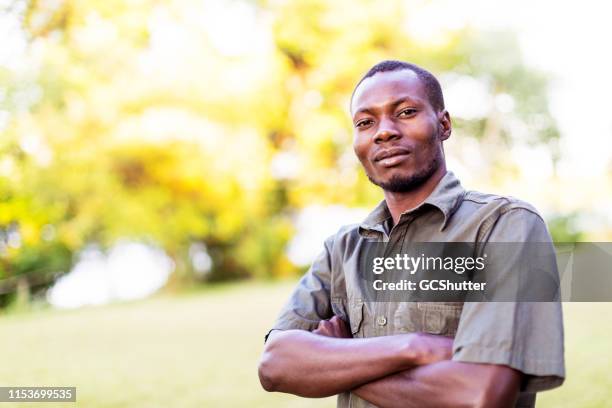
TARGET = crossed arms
(405,370)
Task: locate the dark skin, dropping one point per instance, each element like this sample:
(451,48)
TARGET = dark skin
(464,384)
(398,134)
(392,112)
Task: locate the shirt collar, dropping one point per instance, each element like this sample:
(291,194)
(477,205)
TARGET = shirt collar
(446,197)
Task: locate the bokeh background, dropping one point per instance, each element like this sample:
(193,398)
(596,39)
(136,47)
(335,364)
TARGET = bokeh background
(168,168)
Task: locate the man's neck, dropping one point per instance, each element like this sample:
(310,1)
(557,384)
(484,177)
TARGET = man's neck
(399,203)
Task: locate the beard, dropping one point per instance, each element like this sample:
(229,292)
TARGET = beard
(406,184)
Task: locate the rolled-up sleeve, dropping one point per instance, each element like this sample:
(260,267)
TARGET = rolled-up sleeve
(527,336)
(310,301)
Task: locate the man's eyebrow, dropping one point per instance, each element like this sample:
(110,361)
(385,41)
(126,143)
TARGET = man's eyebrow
(393,104)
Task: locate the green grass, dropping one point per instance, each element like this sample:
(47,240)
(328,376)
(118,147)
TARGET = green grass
(201,350)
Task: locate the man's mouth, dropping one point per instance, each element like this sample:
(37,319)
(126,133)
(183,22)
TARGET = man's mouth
(391,157)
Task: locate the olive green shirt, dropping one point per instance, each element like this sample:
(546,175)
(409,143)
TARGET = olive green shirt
(527,336)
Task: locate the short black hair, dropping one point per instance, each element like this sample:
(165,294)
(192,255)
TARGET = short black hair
(432,86)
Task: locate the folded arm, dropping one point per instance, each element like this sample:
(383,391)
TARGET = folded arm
(327,362)
(445,384)
(406,370)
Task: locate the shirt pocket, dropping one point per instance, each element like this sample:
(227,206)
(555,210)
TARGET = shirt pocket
(441,318)
(428,317)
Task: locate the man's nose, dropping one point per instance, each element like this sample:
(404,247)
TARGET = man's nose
(386,131)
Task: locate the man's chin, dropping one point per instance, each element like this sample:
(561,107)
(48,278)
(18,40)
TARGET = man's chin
(404,183)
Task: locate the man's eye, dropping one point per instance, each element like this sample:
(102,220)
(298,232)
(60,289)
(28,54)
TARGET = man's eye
(407,112)
(363,123)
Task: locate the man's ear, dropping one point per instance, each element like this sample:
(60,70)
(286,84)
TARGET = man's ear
(446,126)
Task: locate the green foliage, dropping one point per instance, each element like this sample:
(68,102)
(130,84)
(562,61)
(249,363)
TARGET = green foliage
(563,228)
(141,125)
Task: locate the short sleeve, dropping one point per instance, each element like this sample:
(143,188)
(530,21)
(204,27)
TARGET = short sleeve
(310,301)
(527,336)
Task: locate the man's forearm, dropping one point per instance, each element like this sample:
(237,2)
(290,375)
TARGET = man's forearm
(311,365)
(445,384)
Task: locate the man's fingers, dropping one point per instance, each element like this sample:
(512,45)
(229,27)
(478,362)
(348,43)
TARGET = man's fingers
(323,327)
(337,321)
(328,323)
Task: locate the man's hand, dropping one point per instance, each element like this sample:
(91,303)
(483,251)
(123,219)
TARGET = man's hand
(334,327)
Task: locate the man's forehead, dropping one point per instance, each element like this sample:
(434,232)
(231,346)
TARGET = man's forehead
(386,87)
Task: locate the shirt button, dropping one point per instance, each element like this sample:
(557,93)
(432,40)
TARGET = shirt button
(381,320)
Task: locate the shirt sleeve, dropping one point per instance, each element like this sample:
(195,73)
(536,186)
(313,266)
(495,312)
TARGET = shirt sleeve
(310,301)
(527,336)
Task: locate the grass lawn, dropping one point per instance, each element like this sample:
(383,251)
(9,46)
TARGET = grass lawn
(201,350)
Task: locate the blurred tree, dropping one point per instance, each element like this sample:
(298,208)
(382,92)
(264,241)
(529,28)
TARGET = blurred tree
(187,122)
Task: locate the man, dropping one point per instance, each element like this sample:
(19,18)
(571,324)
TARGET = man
(331,339)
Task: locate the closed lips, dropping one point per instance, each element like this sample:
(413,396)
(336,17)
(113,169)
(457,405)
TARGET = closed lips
(385,154)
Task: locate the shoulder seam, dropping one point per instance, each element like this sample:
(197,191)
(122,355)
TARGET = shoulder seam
(484,198)
(490,222)
(511,204)
(467,198)
(505,210)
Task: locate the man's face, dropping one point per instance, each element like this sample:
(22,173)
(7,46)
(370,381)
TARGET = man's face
(397,133)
